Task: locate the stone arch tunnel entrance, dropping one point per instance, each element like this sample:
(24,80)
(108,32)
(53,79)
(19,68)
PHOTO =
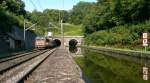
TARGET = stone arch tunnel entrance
(73,43)
(57,42)
(78,40)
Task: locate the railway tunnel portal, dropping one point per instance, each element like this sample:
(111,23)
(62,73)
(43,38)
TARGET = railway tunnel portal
(70,40)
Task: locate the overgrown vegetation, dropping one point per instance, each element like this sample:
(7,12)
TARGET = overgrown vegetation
(69,30)
(48,20)
(117,23)
(11,14)
(123,36)
(72,30)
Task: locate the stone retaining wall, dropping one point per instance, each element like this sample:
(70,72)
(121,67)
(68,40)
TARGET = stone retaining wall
(114,51)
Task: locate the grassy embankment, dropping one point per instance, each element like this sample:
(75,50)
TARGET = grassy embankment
(69,30)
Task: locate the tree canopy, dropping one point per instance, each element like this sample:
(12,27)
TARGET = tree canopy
(97,18)
(110,13)
(11,13)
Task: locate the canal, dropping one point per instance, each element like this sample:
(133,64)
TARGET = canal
(100,68)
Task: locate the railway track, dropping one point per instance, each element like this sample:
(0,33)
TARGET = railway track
(14,70)
(14,61)
(17,55)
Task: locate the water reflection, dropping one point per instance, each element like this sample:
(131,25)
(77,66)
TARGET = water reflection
(113,69)
(73,49)
(139,60)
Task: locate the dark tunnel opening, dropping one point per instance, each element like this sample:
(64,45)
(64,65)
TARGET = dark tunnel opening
(56,42)
(73,43)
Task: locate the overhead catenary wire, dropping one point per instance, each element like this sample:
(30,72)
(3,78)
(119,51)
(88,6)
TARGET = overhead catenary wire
(25,20)
(33,5)
(39,4)
(62,28)
(63,11)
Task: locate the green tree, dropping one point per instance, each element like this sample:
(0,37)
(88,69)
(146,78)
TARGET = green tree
(14,6)
(81,12)
(11,14)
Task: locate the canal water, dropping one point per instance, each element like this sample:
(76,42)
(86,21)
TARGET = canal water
(75,51)
(100,68)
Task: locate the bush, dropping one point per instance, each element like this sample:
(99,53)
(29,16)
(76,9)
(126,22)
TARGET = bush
(128,36)
(7,20)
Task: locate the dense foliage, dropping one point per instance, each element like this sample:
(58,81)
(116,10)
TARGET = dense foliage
(118,23)
(112,13)
(123,36)
(49,18)
(81,12)
(11,14)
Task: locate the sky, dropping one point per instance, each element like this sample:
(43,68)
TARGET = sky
(40,5)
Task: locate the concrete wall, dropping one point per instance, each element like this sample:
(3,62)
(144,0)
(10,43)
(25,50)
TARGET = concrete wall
(12,44)
(30,37)
(18,34)
(3,45)
(118,52)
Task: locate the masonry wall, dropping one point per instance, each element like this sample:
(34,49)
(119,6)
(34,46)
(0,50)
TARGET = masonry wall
(30,37)
(30,40)
(67,39)
(121,52)
(3,45)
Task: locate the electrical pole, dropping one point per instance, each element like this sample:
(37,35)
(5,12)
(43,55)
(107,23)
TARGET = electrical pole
(62,33)
(24,34)
(24,30)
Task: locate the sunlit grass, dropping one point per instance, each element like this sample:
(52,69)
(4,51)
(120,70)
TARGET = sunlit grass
(72,30)
(69,30)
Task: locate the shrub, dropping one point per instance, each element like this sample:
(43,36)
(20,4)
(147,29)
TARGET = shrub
(128,36)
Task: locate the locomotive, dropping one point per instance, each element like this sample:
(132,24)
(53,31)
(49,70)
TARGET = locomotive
(46,43)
